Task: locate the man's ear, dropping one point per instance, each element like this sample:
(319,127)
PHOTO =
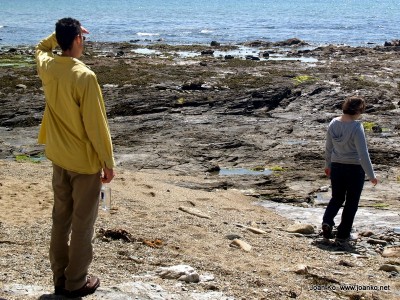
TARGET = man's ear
(78,40)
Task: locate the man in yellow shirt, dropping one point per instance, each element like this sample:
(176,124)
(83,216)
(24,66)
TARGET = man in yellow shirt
(77,137)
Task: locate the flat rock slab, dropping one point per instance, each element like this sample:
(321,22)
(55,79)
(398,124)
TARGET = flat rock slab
(127,291)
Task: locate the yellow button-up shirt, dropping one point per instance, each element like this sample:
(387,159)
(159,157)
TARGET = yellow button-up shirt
(74,126)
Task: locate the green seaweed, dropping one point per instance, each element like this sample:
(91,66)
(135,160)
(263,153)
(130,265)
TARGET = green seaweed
(380,205)
(276,168)
(16,61)
(301,79)
(181,101)
(258,169)
(368,125)
(22,158)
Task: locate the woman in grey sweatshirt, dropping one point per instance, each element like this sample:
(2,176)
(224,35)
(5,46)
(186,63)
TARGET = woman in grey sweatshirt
(346,162)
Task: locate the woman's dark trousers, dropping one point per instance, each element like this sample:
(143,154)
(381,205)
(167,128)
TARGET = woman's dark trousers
(347,184)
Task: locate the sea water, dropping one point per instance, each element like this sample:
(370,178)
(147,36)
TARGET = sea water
(318,22)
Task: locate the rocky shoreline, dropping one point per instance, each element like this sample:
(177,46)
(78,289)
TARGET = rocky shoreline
(250,117)
(201,113)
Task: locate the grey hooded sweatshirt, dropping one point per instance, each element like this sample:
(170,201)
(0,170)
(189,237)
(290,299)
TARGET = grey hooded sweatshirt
(346,144)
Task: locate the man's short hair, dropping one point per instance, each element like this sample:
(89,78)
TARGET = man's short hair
(66,31)
(353,105)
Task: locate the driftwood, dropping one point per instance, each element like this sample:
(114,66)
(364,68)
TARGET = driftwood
(252,229)
(194,211)
(242,244)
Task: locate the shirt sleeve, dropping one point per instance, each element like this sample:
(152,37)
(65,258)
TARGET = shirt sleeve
(95,121)
(362,150)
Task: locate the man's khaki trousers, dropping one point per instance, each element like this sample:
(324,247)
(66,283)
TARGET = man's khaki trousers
(76,204)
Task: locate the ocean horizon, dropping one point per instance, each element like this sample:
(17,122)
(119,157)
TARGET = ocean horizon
(317,22)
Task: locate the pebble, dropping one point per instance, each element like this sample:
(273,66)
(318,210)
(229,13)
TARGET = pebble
(367,233)
(391,251)
(109,85)
(180,272)
(301,269)
(255,230)
(324,188)
(390,268)
(233,236)
(346,263)
(21,86)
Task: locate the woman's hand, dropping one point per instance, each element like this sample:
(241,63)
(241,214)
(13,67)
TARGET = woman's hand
(374,181)
(328,172)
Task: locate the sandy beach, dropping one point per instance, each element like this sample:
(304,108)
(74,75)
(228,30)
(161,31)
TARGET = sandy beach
(147,208)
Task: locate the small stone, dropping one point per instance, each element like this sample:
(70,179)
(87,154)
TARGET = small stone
(390,268)
(324,188)
(241,244)
(110,86)
(301,269)
(180,272)
(367,233)
(301,228)
(192,277)
(21,86)
(233,236)
(346,263)
(391,252)
(136,259)
(207,277)
(207,52)
(377,129)
(255,230)
(376,242)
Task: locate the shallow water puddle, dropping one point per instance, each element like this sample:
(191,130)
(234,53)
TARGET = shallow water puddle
(146,51)
(242,171)
(242,52)
(366,218)
(295,58)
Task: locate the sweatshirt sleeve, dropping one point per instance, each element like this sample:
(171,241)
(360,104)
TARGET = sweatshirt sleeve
(362,150)
(44,52)
(95,121)
(328,149)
